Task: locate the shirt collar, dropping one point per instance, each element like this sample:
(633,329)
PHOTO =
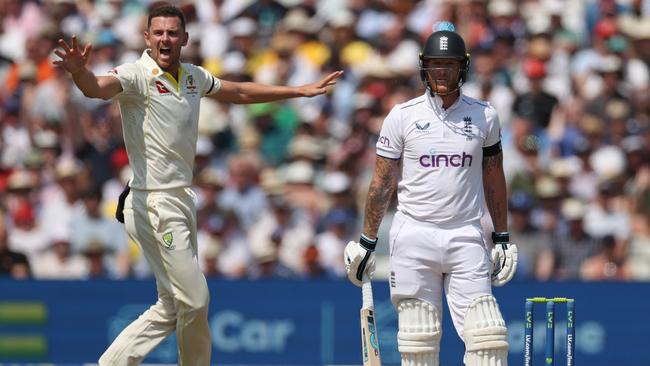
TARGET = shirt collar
(436,103)
(151,65)
(156,71)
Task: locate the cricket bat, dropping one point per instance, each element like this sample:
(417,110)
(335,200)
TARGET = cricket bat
(369,336)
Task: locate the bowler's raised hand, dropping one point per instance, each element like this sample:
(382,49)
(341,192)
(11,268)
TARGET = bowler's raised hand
(73,59)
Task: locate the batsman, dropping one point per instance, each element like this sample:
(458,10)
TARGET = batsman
(442,152)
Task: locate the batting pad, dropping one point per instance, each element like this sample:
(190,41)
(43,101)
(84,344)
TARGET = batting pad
(418,338)
(486,336)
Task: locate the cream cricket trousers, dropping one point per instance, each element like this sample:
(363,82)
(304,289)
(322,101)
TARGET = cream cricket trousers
(163,224)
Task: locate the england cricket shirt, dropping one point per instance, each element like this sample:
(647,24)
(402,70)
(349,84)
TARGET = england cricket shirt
(160,120)
(441,152)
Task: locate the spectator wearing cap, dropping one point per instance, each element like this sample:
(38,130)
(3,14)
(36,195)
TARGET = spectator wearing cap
(48,142)
(341,197)
(637,174)
(63,201)
(243,31)
(95,254)
(331,242)
(607,215)
(522,147)
(209,183)
(283,230)
(562,255)
(548,192)
(97,139)
(486,84)
(274,123)
(637,262)
(610,88)
(536,104)
(13,264)
(529,239)
(210,261)
(203,157)
(34,67)
(587,60)
(269,266)
(27,235)
(222,230)
(243,194)
(14,134)
(21,187)
(584,183)
(59,261)
(301,191)
(92,228)
(266,13)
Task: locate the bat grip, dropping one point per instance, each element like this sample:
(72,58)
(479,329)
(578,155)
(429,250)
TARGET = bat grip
(366,294)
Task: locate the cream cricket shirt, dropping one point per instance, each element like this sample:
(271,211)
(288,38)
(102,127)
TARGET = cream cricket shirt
(442,153)
(160,120)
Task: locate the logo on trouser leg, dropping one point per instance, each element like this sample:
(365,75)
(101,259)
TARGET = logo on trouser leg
(168,239)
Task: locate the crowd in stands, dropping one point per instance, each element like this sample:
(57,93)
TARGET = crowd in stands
(281,186)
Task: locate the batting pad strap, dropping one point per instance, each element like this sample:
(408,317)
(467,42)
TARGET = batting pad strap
(485,328)
(486,338)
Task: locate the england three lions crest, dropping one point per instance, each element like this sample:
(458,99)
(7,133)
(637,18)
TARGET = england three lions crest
(467,128)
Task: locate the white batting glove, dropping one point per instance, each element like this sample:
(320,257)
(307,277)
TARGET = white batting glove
(359,258)
(504,259)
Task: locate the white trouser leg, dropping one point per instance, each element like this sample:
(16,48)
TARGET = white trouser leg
(418,339)
(142,335)
(164,226)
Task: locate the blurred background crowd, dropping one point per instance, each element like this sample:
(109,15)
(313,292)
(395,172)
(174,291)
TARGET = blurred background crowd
(281,186)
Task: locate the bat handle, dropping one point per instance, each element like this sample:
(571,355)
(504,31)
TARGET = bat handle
(366,293)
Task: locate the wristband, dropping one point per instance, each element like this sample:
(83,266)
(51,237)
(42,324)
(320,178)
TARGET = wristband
(367,244)
(500,237)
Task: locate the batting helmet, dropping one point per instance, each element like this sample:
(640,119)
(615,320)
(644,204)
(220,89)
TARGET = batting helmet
(445,44)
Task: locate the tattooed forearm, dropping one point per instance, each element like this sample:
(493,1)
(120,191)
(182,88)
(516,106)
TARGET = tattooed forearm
(494,187)
(380,192)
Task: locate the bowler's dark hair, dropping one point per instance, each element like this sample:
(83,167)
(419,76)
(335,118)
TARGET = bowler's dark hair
(166,10)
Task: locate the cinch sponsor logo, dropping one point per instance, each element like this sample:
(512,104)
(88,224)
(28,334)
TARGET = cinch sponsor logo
(384,140)
(446,160)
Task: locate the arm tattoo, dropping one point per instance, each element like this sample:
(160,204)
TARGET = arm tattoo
(380,193)
(494,186)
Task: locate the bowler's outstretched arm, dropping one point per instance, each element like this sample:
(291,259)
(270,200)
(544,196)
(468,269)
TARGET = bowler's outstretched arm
(74,60)
(248,92)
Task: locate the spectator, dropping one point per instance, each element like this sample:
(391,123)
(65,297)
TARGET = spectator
(564,253)
(284,229)
(100,238)
(536,104)
(13,264)
(27,235)
(59,261)
(330,243)
(243,194)
(528,238)
(605,264)
(222,230)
